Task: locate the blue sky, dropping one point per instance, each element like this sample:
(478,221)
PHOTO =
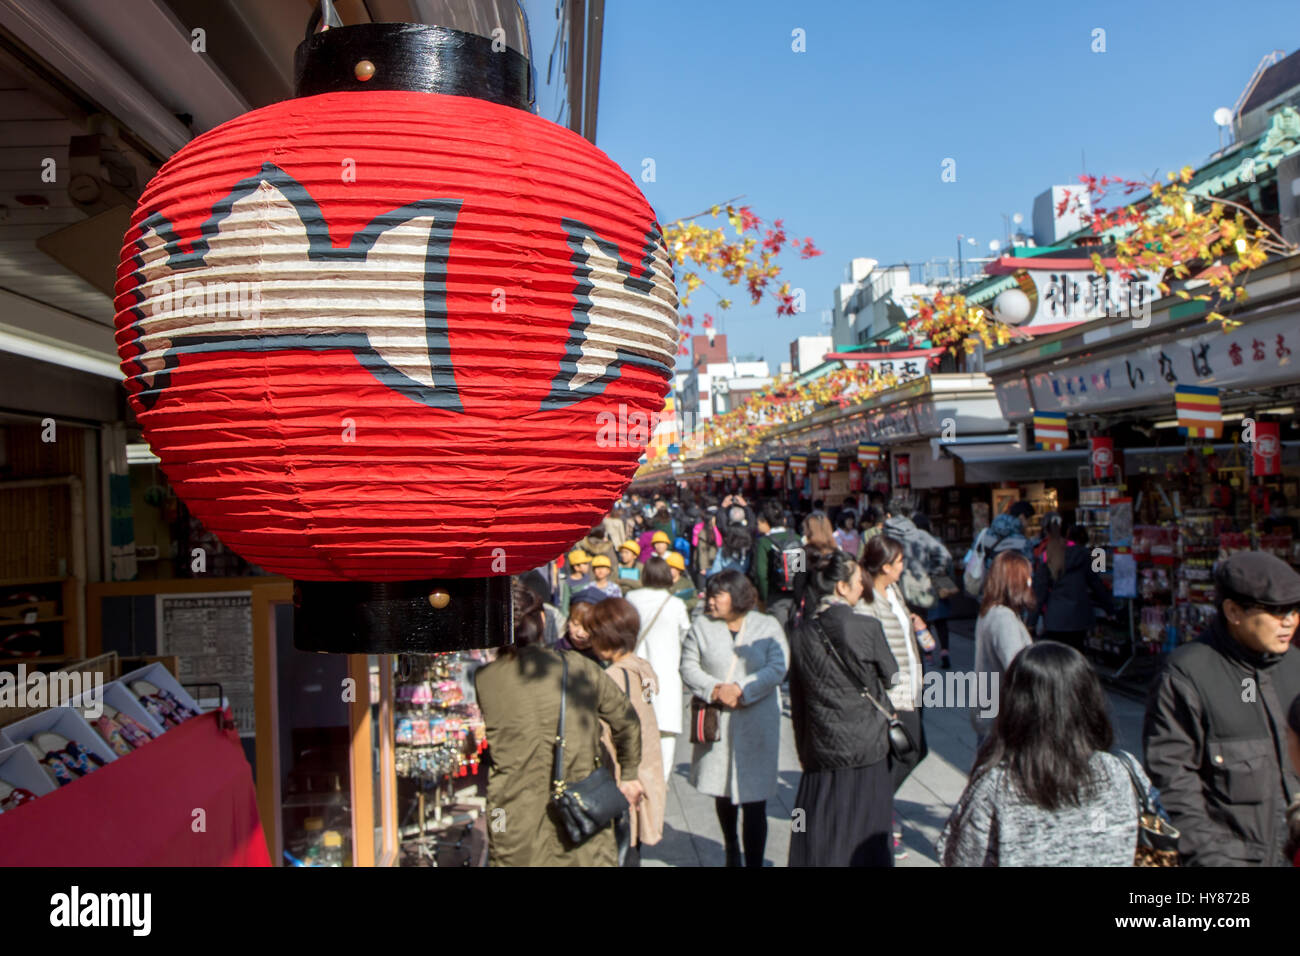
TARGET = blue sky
(845,141)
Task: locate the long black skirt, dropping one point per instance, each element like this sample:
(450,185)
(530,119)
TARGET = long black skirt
(844,818)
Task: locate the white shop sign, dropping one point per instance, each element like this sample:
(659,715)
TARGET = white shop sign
(1084,295)
(1256,354)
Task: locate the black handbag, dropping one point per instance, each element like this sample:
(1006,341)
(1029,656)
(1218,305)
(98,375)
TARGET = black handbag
(1157,838)
(588,806)
(901,745)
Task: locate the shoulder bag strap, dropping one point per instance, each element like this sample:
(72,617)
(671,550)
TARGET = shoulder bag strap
(1143,797)
(889,714)
(646,630)
(557,769)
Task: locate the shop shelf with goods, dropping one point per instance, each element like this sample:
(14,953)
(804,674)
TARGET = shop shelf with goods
(439,738)
(39,619)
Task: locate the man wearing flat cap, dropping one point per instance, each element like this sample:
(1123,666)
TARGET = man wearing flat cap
(1215,736)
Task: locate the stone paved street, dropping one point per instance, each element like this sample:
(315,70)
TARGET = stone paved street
(692,837)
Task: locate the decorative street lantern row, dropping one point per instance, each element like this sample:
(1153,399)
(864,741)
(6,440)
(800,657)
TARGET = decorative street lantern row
(371,331)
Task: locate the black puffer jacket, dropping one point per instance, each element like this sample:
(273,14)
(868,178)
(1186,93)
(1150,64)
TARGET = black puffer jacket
(836,727)
(1068,601)
(1215,747)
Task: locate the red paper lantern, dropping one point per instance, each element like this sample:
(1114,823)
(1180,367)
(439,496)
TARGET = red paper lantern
(373,336)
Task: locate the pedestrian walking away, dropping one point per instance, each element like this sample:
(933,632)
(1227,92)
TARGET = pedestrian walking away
(664,624)
(1045,789)
(1000,632)
(519,694)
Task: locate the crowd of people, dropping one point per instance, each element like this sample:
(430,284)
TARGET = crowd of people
(688,616)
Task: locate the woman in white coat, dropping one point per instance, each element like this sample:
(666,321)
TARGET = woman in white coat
(736,657)
(664,623)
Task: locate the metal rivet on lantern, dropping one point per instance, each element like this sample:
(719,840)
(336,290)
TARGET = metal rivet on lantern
(439,599)
(364,70)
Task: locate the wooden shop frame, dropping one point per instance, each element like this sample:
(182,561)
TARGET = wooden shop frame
(266,594)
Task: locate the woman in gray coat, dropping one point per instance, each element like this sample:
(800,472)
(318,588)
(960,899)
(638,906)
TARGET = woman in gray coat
(736,657)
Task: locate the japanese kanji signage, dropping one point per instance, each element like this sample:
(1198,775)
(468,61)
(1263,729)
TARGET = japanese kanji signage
(1255,354)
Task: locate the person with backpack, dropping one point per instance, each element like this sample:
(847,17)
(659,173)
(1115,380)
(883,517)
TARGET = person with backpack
(780,564)
(735,554)
(1006,533)
(924,559)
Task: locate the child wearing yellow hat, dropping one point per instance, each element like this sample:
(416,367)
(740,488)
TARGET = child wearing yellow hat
(603,568)
(629,572)
(577,576)
(660,543)
(683,587)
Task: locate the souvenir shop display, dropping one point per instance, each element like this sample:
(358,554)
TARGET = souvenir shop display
(61,743)
(439,738)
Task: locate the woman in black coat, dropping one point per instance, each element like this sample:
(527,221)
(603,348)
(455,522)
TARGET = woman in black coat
(1067,598)
(846,795)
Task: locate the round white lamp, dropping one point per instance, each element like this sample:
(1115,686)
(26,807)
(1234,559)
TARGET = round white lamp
(1012,307)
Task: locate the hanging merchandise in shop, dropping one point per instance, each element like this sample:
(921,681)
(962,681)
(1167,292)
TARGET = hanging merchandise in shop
(356,323)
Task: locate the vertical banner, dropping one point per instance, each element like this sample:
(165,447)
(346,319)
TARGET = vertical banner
(776,468)
(868,455)
(1103,458)
(855,477)
(1267,453)
(1051,432)
(903,470)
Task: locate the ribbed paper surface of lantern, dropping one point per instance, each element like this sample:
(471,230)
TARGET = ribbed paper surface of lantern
(388,335)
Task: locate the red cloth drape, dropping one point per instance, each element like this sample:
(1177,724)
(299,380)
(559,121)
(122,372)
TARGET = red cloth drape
(139,809)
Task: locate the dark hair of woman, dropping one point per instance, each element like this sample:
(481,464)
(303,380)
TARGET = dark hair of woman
(870,517)
(1052,718)
(614,625)
(656,573)
(880,551)
(530,626)
(1009,583)
(744,596)
(847,519)
(735,542)
(819,534)
(828,570)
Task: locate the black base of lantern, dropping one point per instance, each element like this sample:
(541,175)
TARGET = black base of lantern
(399,617)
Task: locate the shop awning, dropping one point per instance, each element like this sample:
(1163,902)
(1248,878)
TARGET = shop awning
(1007,462)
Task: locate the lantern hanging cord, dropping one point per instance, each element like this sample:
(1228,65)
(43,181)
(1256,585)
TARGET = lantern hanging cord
(323,18)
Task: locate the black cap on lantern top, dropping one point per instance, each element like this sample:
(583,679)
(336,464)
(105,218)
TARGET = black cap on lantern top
(410,56)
